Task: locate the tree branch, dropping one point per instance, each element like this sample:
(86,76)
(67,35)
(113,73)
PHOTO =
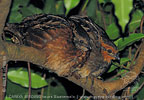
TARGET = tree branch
(100,88)
(23,53)
(4,9)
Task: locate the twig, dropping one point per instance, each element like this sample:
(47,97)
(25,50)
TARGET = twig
(136,55)
(84,6)
(128,92)
(125,93)
(136,91)
(135,46)
(42,90)
(142,72)
(29,73)
(141,24)
(1,83)
(89,97)
(129,54)
(5,81)
(140,45)
(117,75)
(82,94)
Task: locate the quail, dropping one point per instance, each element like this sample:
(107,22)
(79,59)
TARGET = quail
(71,44)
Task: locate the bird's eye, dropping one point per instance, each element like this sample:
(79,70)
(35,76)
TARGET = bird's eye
(109,51)
(81,41)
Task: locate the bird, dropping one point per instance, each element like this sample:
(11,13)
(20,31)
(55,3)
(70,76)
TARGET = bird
(74,44)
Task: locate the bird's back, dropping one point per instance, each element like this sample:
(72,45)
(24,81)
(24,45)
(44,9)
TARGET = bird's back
(70,44)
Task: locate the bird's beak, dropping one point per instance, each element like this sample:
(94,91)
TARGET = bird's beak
(117,58)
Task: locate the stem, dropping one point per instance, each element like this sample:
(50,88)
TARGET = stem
(1,84)
(29,74)
(141,86)
(141,24)
(84,6)
(110,16)
(103,16)
(42,90)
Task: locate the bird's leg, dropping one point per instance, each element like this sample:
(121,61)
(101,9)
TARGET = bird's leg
(92,82)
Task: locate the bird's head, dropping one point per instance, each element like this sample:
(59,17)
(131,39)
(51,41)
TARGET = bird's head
(109,52)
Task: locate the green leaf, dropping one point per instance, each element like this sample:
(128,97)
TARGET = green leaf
(8,98)
(26,12)
(124,60)
(124,42)
(108,8)
(15,17)
(17,92)
(140,94)
(20,2)
(101,1)
(112,68)
(112,31)
(50,7)
(136,19)
(115,65)
(85,5)
(55,88)
(104,1)
(21,77)
(122,11)
(98,18)
(69,4)
(8,39)
(91,8)
(117,41)
(34,10)
(134,88)
(122,72)
(30,10)
(59,7)
(17,3)
(138,98)
(115,78)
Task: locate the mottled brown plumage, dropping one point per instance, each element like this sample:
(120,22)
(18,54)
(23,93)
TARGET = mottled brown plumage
(74,44)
